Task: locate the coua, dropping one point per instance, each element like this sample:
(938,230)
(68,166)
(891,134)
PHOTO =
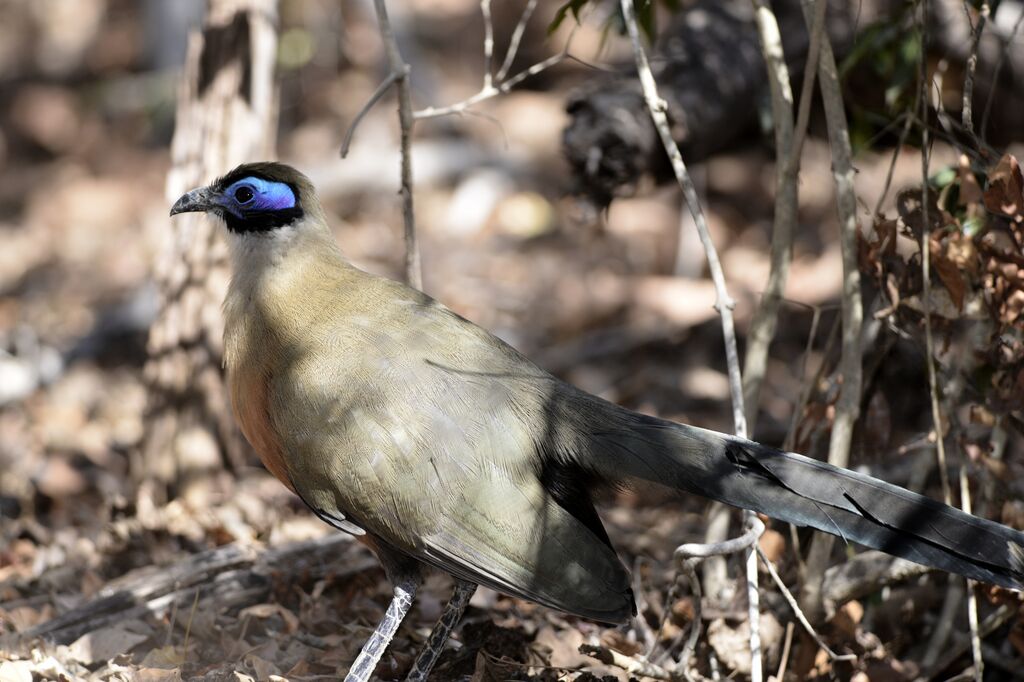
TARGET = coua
(398,421)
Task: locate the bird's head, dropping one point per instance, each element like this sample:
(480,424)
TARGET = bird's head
(254,199)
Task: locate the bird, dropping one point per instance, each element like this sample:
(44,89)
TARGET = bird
(440,446)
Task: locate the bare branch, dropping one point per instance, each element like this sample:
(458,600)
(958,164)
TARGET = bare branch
(698,550)
(766,317)
(848,405)
(492,90)
(400,73)
(933,390)
(631,664)
(517,37)
(972,598)
(967,112)
(485,9)
(791,600)
(724,304)
(388,81)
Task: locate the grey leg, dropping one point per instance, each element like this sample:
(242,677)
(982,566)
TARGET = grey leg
(439,635)
(369,656)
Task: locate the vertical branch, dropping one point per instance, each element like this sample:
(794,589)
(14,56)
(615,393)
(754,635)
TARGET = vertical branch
(724,304)
(972,598)
(398,67)
(848,405)
(485,9)
(766,317)
(517,37)
(967,112)
(933,389)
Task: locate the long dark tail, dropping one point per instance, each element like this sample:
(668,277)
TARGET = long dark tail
(806,492)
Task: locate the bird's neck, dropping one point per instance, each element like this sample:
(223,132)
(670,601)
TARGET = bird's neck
(277,279)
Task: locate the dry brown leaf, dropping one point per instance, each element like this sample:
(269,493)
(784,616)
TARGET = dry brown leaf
(157,675)
(847,618)
(164,657)
(560,648)
(948,273)
(291,621)
(261,667)
(732,643)
(773,544)
(1005,191)
(970,190)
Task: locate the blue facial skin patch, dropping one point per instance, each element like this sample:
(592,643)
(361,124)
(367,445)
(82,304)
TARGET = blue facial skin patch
(255,194)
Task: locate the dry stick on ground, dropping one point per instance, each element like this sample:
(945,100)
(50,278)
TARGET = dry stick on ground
(723,305)
(848,405)
(231,576)
(967,112)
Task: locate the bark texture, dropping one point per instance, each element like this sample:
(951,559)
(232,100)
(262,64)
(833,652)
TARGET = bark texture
(226,114)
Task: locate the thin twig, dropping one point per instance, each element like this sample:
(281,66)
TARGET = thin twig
(485,10)
(993,622)
(907,123)
(998,68)
(687,557)
(967,112)
(848,404)
(766,317)
(724,304)
(631,664)
(791,600)
(972,598)
(784,658)
(499,84)
(492,90)
(699,550)
(400,71)
(803,113)
(388,81)
(517,37)
(933,389)
(788,151)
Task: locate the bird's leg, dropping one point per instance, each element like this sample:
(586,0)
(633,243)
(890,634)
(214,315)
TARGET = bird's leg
(439,635)
(369,656)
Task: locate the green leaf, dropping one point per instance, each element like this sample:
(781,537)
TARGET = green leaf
(574,6)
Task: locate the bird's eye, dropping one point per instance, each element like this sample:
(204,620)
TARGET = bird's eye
(243,195)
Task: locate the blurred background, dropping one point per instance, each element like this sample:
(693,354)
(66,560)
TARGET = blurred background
(601,282)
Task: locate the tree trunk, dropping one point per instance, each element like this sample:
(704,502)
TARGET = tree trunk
(226,115)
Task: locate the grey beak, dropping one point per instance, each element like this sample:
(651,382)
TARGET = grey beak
(196,201)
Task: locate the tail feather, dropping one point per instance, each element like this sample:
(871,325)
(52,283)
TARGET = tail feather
(807,492)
